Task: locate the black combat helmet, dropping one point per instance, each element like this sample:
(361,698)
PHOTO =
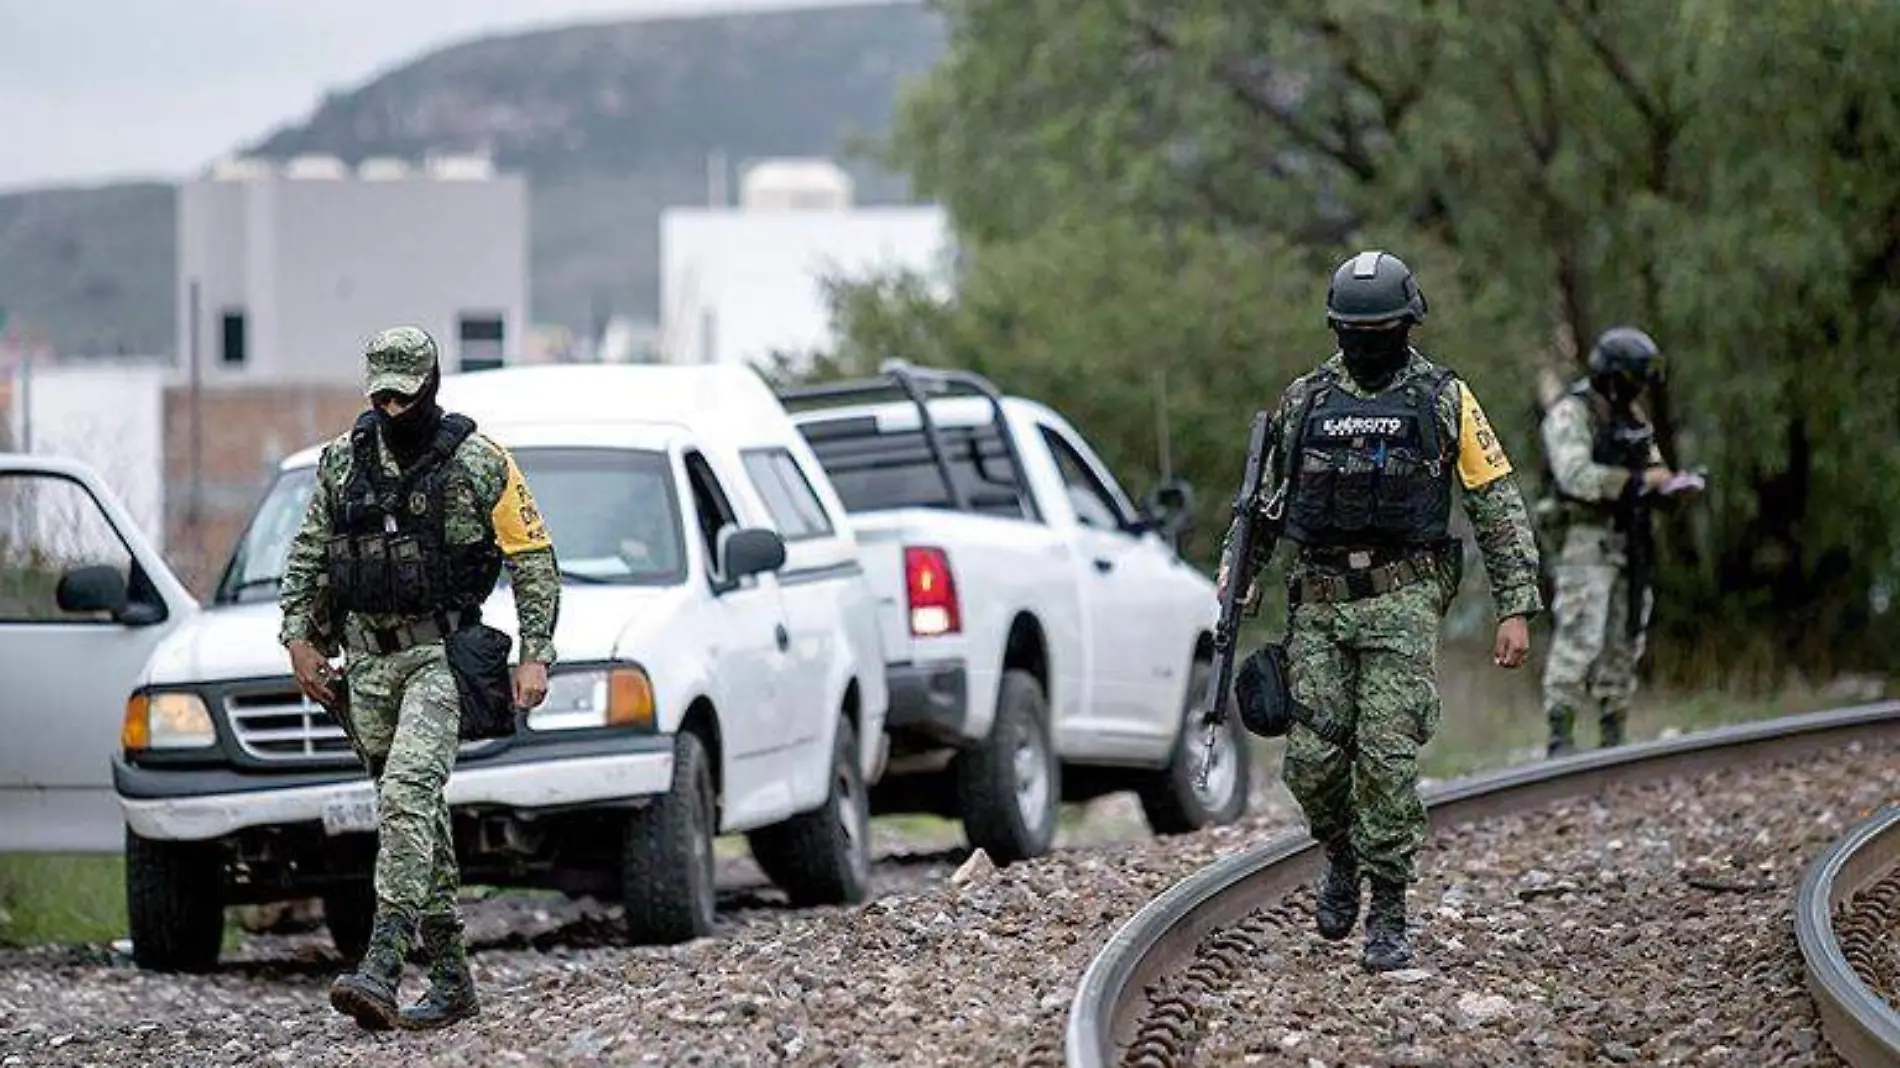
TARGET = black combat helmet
(1372,287)
(1625,360)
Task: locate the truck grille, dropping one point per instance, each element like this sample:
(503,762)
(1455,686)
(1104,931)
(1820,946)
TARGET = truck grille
(284,725)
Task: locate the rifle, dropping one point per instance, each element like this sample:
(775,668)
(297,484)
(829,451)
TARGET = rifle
(1236,565)
(1632,443)
(1265,691)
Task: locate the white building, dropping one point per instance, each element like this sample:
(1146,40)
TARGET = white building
(737,284)
(296,266)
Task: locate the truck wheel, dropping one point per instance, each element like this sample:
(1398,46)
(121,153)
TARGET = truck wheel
(349,911)
(174,903)
(1010,784)
(823,857)
(1171,798)
(667,858)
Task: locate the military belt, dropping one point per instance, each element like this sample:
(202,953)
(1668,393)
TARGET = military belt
(1356,585)
(359,637)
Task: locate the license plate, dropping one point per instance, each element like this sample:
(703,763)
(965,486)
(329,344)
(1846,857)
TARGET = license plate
(352,813)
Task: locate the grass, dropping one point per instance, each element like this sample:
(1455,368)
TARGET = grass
(61,898)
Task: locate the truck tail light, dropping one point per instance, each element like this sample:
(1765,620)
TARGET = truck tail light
(933,593)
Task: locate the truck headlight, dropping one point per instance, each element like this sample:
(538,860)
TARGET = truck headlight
(598,697)
(166,721)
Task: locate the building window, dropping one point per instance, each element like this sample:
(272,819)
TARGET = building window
(481,339)
(231,339)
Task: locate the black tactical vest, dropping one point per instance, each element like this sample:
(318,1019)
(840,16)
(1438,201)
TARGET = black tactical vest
(1373,471)
(389,552)
(1621,439)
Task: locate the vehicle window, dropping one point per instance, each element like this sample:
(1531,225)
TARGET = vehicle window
(875,470)
(788,495)
(613,515)
(710,506)
(1094,505)
(50,524)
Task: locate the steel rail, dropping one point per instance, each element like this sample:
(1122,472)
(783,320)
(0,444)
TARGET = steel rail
(1861,1025)
(1108,1002)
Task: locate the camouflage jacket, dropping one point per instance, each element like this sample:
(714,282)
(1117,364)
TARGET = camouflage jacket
(1569,433)
(488,498)
(1492,500)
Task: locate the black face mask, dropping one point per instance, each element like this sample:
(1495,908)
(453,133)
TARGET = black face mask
(408,434)
(1374,357)
(1620,390)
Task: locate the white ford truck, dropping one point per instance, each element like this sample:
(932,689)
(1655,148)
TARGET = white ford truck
(720,671)
(1045,641)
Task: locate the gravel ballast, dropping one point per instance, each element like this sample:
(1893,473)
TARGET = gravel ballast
(1649,925)
(932,972)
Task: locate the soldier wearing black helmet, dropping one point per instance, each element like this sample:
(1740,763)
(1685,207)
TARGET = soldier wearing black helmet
(1364,453)
(1604,469)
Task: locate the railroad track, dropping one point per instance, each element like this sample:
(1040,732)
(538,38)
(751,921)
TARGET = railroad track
(1114,1020)
(1848,901)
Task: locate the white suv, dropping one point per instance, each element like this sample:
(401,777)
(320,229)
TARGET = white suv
(719,671)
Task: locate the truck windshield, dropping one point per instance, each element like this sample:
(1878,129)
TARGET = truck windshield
(613,514)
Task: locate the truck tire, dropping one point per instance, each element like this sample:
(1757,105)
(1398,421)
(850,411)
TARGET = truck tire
(1172,800)
(1010,784)
(174,903)
(349,911)
(667,857)
(823,857)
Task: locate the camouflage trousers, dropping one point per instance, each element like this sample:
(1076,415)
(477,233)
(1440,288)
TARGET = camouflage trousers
(1371,663)
(404,715)
(1593,656)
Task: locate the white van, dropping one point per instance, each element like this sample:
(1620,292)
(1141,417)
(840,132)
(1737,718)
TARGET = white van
(719,671)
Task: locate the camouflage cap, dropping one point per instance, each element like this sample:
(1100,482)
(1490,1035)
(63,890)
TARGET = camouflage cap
(398,360)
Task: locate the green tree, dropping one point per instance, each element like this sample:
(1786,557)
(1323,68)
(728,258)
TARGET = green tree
(1141,186)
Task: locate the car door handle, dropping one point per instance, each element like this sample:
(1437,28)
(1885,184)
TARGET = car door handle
(779,635)
(1104,564)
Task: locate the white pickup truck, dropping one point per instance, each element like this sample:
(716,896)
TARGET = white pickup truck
(720,671)
(1045,641)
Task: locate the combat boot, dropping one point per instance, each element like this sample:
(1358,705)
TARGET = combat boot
(1562,742)
(1387,948)
(1339,891)
(1611,724)
(368,994)
(451,993)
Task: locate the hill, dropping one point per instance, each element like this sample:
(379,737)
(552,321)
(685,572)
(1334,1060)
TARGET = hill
(611,122)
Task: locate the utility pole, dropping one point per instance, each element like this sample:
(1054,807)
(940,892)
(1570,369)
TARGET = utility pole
(194,504)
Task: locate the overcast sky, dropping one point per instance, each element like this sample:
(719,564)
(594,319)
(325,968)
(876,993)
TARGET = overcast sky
(96,90)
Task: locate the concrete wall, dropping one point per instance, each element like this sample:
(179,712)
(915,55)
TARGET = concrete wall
(242,434)
(318,264)
(737,284)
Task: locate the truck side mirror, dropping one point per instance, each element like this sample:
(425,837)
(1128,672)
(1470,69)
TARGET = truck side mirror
(749,552)
(1169,506)
(96,588)
(100,588)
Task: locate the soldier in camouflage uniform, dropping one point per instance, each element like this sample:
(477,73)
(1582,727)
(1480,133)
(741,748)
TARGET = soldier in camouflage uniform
(1364,451)
(1602,454)
(412,518)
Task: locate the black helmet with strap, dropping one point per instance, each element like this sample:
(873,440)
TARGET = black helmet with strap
(1628,356)
(1371,287)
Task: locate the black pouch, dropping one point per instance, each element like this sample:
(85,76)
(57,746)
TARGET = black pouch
(408,578)
(478,658)
(1264,693)
(1263,688)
